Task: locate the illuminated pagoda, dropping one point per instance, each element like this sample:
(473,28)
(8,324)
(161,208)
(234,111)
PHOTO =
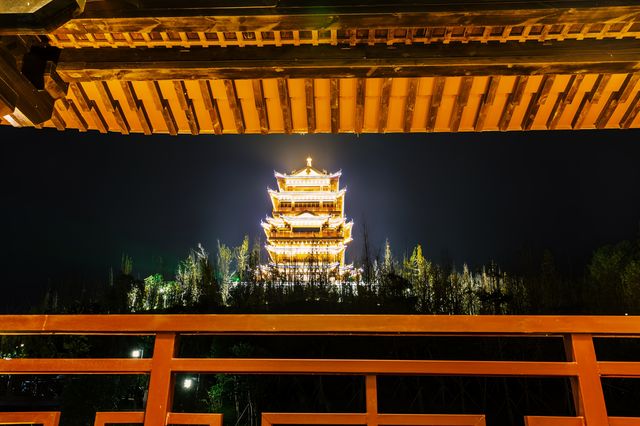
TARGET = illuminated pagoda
(308,232)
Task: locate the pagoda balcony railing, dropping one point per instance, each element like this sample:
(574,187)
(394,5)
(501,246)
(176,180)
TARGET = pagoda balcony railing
(330,210)
(581,366)
(321,236)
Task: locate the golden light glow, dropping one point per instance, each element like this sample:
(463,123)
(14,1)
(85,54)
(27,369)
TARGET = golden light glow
(308,225)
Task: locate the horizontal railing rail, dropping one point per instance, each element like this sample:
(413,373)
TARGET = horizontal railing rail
(326,324)
(581,366)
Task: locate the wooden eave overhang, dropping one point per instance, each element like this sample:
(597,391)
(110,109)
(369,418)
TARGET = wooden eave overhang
(261,67)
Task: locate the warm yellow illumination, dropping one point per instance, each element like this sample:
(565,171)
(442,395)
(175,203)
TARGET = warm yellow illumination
(308,225)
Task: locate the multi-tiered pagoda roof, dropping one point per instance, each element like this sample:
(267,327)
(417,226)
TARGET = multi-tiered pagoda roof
(308,228)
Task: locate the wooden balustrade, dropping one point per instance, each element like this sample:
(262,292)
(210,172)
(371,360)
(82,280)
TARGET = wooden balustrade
(581,365)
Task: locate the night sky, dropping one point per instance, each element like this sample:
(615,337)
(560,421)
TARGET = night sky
(72,203)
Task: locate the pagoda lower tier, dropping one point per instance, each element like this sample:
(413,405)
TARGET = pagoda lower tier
(301,252)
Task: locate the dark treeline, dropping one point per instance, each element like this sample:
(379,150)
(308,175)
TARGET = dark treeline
(230,281)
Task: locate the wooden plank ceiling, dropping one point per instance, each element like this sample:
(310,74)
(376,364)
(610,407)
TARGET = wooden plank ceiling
(352,105)
(573,68)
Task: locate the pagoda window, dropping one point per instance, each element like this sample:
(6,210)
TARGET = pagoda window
(306,229)
(285,204)
(308,204)
(329,205)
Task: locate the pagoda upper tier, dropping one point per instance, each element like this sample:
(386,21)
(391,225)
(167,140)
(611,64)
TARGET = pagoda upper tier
(308,225)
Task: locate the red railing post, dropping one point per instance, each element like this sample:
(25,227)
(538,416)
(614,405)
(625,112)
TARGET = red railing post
(587,387)
(160,395)
(371,394)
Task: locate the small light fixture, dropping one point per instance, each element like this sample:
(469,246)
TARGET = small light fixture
(136,353)
(188,383)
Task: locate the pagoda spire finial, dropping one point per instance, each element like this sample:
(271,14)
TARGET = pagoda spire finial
(309,160)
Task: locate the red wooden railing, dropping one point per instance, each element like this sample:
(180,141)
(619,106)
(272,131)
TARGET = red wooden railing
(581,366)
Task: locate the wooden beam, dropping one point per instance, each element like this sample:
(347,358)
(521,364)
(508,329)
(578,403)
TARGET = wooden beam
(88,106)
(137,106)
(8,98)
(53,84)
(163,106)
(113,106)
(285,104)
(514,99)
(631,113)
(309,92)
(334,99)
(44,418)
(589,98)
(81,96)
(436,98)
(57,120)
(234,104)
(587,386)
(121,119)
(384,104)
(366,366)
(211,105)
(621,95)
(21,18)
(270,419)
(313,324)
(122,16)
(261,107)
(460,103)
(486,102)
(19,92)
(186,104)
(98,118)
(539,98)
(360,98)
(205,419)
(415,60)
(409,107)
(161,381)
(75,365)
(72,109)
(371,398)
(564,99)
(104,418)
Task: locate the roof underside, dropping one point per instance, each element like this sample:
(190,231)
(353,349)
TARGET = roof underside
(421,104)
(345,67)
